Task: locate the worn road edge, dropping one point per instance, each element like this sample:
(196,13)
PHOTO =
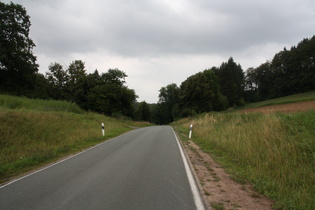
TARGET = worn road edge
(200,189)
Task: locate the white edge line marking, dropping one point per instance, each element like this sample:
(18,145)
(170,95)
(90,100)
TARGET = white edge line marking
(60,161)
(193,185)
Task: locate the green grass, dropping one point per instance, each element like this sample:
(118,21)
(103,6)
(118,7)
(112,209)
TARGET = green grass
(13,102)
(35,132)
(308,96)
(275,152)
(217,206)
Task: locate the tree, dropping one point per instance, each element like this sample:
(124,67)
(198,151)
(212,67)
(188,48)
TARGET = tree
(231,80)
(42,87)
(105,93)
(301,61)
(143,112)
(168,103)
(76,83)
(109,95)
(114,76)
(111,99)
(281,71)
(265,81)
(251,86)
(17,62)
(200,93)
(76,71)
(290,72)
(57,78)
(88,83)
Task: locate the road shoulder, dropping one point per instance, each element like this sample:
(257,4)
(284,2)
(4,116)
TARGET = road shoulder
(218,188)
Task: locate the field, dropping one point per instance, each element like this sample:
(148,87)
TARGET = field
(272,150)
(308,96)
(35,132)
(284,108)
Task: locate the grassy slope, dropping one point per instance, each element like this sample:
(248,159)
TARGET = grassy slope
(34,132)
(308,96)
(275,152)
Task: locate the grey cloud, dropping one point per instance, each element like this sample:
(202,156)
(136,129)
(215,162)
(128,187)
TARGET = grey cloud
(222,29)
(152,28)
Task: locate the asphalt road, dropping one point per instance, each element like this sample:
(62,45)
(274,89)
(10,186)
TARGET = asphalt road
(142,169)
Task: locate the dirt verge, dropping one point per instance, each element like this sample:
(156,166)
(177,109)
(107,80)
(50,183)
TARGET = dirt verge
(221,191)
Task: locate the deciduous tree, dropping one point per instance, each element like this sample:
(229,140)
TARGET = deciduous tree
(57,78)
(168,103)
(143,112)
(17,62)
(200,93)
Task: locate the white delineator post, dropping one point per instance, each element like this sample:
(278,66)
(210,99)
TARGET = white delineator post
(103,131)
(190,131)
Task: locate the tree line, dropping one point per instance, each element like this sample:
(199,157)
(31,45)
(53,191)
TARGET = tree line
(214,89)
(289,72)
(104,93)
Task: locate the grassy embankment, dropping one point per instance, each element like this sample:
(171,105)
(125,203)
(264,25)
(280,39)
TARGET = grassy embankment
(35,132)
(308,96)
(274,151)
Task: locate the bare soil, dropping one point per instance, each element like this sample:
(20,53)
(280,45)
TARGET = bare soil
(293,107)
(219,189)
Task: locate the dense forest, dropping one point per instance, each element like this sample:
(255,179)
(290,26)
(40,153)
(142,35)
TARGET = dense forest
(290,71)
(215,89)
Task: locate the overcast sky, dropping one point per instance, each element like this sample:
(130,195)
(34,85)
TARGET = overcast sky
(159,42)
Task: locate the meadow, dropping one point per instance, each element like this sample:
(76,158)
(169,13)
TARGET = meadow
(274,151)
(36,132)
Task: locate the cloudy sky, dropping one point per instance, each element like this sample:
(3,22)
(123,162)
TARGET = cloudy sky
(159,42)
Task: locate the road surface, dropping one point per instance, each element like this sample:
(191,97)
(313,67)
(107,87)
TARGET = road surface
(142,169)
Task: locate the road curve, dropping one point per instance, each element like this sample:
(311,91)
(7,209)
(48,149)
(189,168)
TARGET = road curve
(142,169)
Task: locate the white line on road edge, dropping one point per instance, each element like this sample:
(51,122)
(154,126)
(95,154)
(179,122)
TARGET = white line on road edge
(193,185)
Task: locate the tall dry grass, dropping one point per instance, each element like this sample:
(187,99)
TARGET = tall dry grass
(275,152)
